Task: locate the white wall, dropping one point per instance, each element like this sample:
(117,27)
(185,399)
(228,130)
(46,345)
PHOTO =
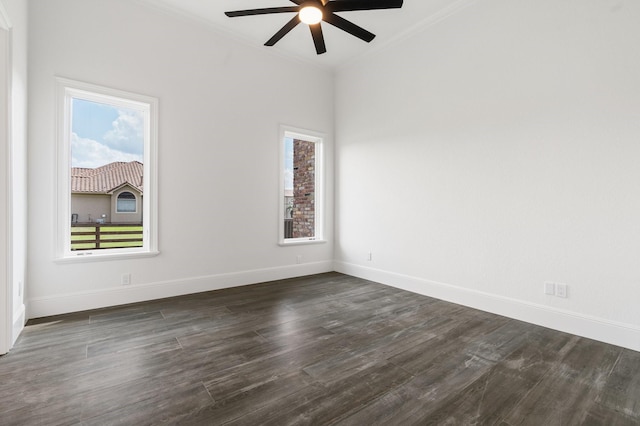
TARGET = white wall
(14,158)
(221,104)
(497,150)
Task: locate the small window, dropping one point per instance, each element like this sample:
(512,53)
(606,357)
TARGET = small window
(107,141)
(126,203)
(301,191)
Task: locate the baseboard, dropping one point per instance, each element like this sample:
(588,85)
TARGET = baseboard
(616,333)
(19,320)
(76,302)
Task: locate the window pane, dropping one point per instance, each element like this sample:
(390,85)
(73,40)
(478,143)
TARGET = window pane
(107,153)
(126,206)
(300,180)
(304,166)
(288,188)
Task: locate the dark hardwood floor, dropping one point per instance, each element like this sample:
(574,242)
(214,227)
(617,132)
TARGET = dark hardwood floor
(325,349)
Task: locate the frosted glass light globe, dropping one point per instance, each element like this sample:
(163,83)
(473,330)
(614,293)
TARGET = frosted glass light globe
(310,15)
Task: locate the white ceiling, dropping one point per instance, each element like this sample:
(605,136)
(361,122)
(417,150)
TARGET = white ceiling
(388,25)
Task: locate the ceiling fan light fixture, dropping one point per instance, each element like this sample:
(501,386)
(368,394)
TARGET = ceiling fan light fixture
(312,12)
(310,15)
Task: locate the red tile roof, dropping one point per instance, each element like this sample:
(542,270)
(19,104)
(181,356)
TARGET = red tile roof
(105,179)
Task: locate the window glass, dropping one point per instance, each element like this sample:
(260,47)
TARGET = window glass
(126,203)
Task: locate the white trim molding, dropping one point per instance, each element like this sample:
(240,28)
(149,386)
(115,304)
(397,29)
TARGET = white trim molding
(6,229)
(82,301)
(19,320)
(612,332)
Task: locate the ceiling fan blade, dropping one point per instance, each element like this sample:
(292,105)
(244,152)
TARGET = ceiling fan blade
(318,38)
(283,31)
(349,27)
(264,11)
(349,5)
(297,1)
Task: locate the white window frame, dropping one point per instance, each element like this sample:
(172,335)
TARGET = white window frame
(67,89)
(317,138)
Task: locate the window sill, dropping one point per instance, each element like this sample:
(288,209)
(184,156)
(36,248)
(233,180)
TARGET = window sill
(300,242)
(92,257)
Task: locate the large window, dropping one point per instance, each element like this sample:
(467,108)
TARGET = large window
(106,172)
(301,192)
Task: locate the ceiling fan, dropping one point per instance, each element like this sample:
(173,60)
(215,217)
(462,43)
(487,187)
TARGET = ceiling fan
(312,12)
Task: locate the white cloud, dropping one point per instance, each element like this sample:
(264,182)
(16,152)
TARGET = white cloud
(91,154)
(127,134)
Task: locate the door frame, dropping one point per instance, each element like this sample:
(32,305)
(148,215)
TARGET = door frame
(6,294)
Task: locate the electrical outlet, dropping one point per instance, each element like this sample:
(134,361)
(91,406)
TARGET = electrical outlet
(550,288)
(561,290)
(299,259)
(125,279)
(369,257)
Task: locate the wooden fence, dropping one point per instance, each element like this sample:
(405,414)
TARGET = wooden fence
(92,236)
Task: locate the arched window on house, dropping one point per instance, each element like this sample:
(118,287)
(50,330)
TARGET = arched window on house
(126,203)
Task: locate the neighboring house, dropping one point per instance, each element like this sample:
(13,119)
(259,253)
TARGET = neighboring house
(108,194)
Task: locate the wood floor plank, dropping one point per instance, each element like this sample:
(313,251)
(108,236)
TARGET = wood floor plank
(415,401)
(237,377)
(452,338)
(367,349)
(569,390)
(323,405)
(603,416)
(160,403)
(494,395)
(22,366)
(252,398)
(620,392)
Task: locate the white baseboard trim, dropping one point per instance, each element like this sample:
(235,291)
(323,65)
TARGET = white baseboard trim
(615,333)
(76,302)
(19,320)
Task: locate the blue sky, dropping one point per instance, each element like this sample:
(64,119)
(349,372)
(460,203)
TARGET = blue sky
(102,134)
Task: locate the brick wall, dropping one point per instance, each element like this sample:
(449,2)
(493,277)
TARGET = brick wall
(304,175)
